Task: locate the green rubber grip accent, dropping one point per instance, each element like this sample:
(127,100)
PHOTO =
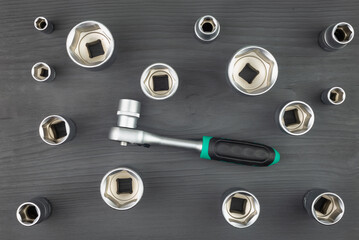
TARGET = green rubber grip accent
(276,158)
(205,146)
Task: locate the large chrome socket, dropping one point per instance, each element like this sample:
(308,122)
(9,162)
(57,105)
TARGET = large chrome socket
(42,72)
(252,70)
(90,45)
(240,208)
(295,118)
(333,96)
(207,28)
(336,36)
(43,25)
(121,188)
(55,130)
(159,81)
(324,206)
(34,211)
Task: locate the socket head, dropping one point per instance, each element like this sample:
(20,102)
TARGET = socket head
(42,72)
(334,96)
(343,33)
(296,118)
(41,23)
(159,81)
(240,209)
(90,44)
(121,188)
(207,28)
(55,130)
(28,214)
(128,113)
(252,70)
(328,208)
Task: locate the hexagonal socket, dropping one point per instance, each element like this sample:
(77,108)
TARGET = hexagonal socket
(295,118)
(324,206)
(90,45)
(333,96)
(42,72)
(207,28)
(240,208)
(159,81)
(33,212)
(336,36)
(121,188)
(55,130)
(252,70)
(43,25)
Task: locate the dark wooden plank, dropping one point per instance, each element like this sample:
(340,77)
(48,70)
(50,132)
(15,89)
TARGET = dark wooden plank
(182,192)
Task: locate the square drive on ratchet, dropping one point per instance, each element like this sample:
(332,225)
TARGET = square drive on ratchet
(235,151)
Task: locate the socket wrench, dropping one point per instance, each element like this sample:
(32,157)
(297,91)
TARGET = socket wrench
(211,148)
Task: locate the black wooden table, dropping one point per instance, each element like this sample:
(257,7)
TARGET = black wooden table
(182,192)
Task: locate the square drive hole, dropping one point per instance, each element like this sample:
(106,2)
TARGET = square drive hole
(248,73)
(291,117)
(95,49)
(334,96)
(124,185)
(59,130)
(160,83)
(238,205)
(44,72)
(322,205)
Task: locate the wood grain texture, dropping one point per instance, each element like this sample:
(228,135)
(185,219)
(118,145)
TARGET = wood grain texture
(182,192)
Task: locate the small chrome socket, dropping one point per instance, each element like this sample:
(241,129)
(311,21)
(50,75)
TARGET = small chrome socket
(34,211)
(207,28)
(324,206)
(252,71)
(128,113)
(240,208)
(121,188)
(55,130)
(91,45)
(333,96)
(159,81)
(43,25)
(42,72)
(336,36)
(295,118)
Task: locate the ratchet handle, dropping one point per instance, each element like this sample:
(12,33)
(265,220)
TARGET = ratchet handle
(241,152)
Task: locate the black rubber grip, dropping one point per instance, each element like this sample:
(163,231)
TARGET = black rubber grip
(241,152)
